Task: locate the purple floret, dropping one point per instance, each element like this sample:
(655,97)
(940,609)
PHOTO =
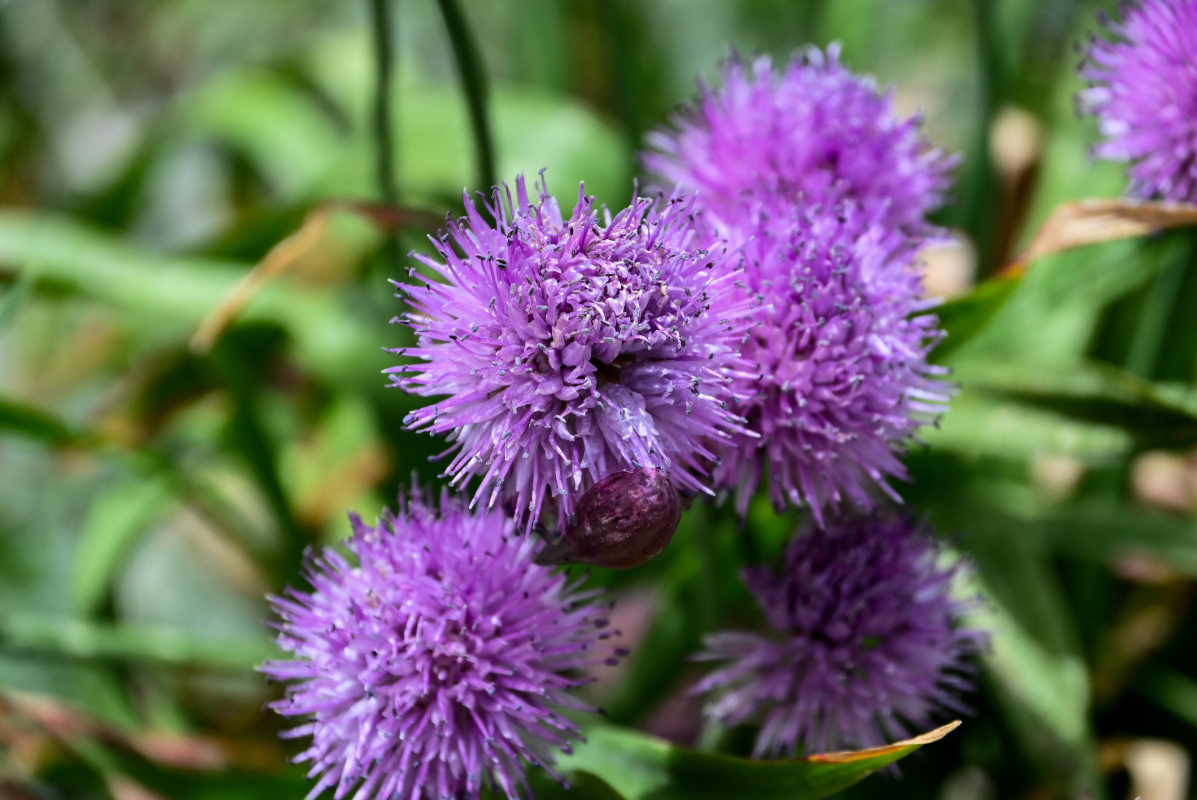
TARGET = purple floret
(814,133)
(864,648)
(569,348)
(438,663)
(1143,91)
(839,379)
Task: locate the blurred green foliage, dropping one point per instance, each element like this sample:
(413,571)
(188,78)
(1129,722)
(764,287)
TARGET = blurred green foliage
(151,494)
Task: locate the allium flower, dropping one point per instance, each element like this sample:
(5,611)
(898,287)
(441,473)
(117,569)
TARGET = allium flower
(436,665)
(864,642)
(814,133)
(1143,91)
(823,193)
(572,348)
(839,377)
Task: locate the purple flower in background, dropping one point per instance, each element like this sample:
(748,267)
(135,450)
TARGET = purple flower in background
(864,644)
(815,133)
(569,348)
(839,380)
(1143,91)
(436,665)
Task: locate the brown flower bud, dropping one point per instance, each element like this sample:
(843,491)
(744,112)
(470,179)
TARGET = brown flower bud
(621,522)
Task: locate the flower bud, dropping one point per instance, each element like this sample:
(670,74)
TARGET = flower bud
(621,522)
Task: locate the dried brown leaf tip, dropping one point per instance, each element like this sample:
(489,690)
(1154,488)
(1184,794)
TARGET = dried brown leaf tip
(848,756)
(1088,222)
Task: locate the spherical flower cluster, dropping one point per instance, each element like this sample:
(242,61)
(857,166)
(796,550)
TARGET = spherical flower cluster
(839,377)
(571,348)
(864,643)
(814,133)
(439,663)
(822,191)
(1143,91)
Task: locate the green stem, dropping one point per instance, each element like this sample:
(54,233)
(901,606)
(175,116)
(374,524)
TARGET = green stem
(473,84)
(383,116)
(979,211)
(384,139)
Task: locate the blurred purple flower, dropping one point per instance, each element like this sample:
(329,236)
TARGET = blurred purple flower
(839,376)
(1143,91)
(864,647)
(815,133)
(439,663)
(572,348)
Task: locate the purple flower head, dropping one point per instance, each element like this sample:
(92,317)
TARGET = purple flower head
(438,663)
(864,642)
(839,380)
(1143,91)
(815,132)
(569,348)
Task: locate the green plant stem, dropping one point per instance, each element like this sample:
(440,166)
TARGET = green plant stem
(383,114)
(473,84)
(978,217)
(384,68)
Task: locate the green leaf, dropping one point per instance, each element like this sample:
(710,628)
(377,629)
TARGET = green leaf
(78,639)
(1153,415)
(1169,689)
(641,767)
(120,515)
(1053,315)
(1106,531)
(964,317)
(1094,412)
(26,420)
(186,784)
(170,295)
(256,113)
(1034,659)
(579,786)
(189,488)
(981,423)
(14,299)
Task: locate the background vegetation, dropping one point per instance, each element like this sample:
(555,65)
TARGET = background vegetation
(155,486)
